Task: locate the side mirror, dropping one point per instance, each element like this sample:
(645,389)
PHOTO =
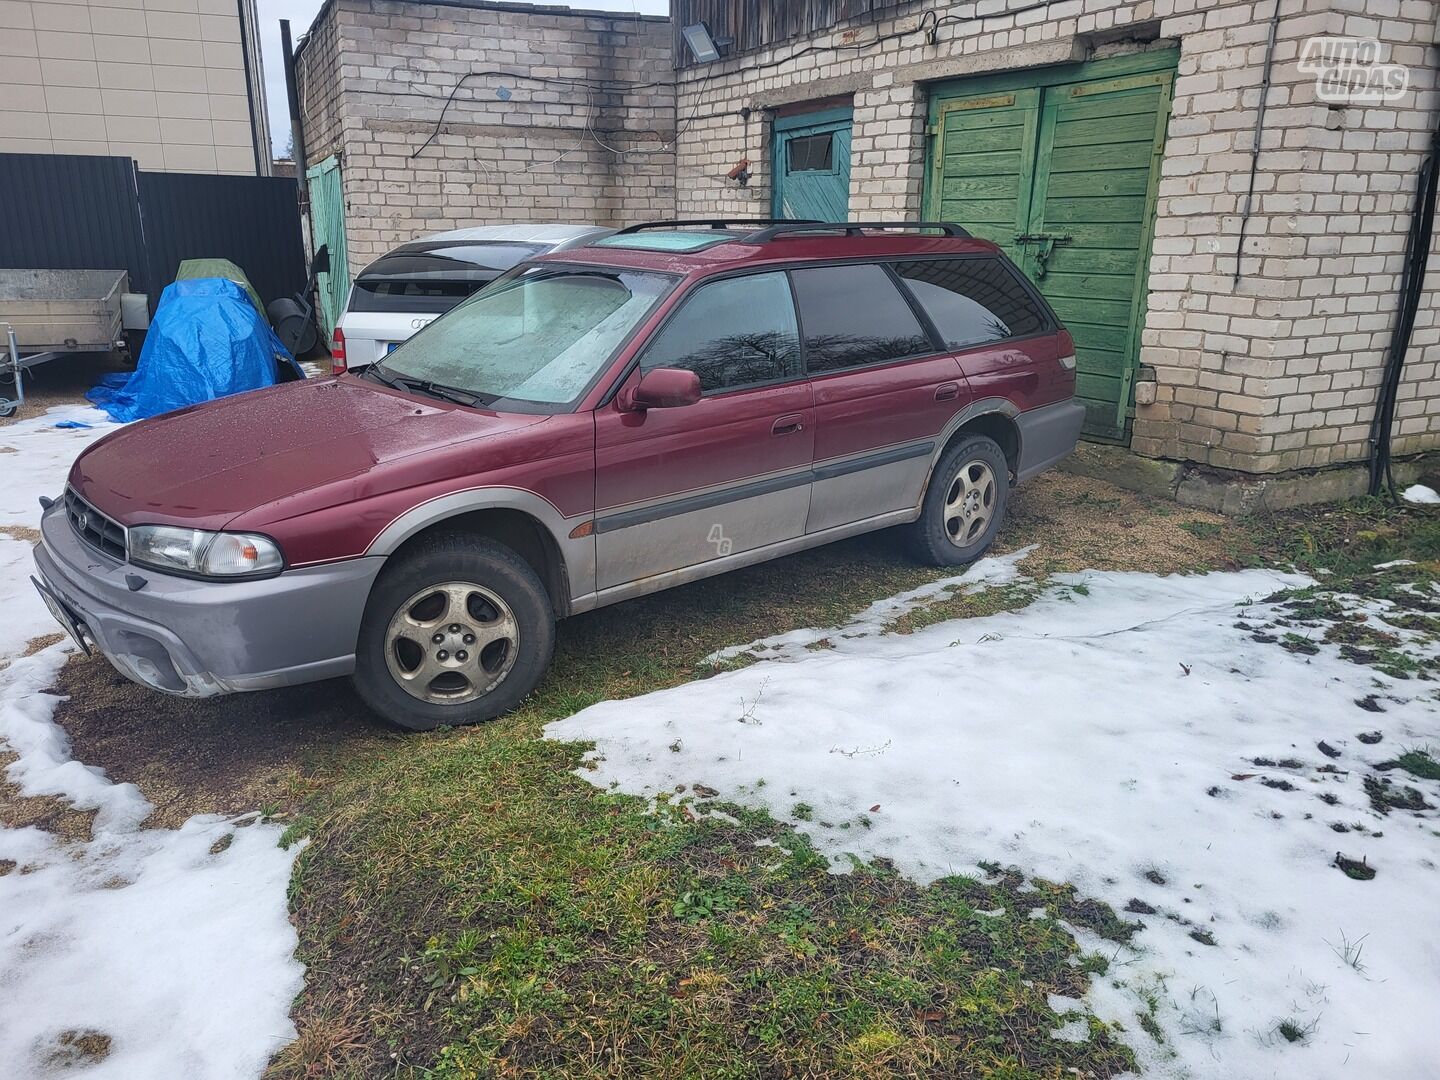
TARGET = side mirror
(662,388)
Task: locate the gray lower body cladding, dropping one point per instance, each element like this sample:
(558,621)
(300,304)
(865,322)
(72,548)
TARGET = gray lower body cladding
(1047,436)
(201,638)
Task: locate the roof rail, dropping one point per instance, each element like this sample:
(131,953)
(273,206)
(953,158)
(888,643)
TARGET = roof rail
(849,228)
(711,223)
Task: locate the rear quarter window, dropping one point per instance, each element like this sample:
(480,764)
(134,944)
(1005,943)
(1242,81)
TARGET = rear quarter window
(854,315)
(973,301)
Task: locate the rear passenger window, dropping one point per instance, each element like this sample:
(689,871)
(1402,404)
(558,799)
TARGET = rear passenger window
(973,301)
(732,333)
(854,315)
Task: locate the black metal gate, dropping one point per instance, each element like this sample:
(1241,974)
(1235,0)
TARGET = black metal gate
(64,212)
(254,221)
(70,212)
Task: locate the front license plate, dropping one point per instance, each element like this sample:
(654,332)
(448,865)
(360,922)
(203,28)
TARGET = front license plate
(62,614)
(391,346)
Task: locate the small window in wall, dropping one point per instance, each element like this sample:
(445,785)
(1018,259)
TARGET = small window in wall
(973,301)
(854,315)
(812,153)
(736,332)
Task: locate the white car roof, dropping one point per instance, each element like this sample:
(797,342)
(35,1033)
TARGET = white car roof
(535,234)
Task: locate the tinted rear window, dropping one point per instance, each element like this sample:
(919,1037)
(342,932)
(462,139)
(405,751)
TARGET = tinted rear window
(432,277)
(854,315)
(973,301)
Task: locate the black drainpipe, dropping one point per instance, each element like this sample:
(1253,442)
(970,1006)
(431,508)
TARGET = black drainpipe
(1412,284)
(297,125)
(245,29)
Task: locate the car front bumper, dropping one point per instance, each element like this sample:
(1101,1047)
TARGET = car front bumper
(201,638)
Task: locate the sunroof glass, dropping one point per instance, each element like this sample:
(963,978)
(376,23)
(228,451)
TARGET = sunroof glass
(666,241)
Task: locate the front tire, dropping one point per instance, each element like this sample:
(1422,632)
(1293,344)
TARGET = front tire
(964,504)
(456,632)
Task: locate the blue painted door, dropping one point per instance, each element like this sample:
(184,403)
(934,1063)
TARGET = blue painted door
(812,166)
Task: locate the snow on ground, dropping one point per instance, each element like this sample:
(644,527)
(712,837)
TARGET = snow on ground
(1107,735)
(41,458)
(141,953)
(1419,493)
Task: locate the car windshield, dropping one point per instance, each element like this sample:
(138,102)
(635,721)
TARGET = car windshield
(536,338)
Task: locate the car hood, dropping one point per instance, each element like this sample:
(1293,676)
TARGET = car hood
(203,466)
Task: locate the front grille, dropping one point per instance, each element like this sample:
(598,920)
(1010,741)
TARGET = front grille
(99,531)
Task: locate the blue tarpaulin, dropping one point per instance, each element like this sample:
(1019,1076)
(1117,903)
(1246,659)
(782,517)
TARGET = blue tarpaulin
(206,341)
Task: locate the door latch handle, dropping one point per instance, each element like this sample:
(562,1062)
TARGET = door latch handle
(1047,242)
(788,425)
(947,391)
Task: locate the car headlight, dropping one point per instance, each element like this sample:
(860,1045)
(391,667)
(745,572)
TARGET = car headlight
(209,554)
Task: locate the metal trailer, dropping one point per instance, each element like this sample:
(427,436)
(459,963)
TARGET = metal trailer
(50,313)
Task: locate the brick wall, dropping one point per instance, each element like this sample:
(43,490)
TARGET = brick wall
(161,83)
(511,149)
(318,86)
(1276,373)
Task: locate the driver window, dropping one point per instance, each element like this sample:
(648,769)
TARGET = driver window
(732,333)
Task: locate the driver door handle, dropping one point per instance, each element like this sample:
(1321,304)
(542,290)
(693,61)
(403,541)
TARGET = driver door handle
(788,425)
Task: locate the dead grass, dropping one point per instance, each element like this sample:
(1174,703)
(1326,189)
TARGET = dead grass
(76,1050)
(330,1042)
(55,815)
(1086,524)
(20,532)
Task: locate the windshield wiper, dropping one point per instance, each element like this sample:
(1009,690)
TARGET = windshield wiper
(396,381)
(440,390)
(377,372)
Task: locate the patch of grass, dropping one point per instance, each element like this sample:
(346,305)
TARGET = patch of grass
(1203,529)
(1293,1031)
(547,926)
(958,604)
(1417,763)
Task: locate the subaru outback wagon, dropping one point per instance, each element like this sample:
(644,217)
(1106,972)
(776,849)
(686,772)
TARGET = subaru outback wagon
(671,402)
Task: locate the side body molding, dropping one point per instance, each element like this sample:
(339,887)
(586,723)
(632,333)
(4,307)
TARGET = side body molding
(578,554)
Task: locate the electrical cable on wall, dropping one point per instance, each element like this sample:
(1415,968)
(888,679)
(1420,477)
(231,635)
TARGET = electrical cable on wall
(928,26)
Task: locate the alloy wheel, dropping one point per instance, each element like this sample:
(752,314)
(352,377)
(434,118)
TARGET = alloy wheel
(969,503)
(452,643)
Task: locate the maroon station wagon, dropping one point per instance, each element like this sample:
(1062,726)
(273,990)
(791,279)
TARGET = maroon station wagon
(668,403)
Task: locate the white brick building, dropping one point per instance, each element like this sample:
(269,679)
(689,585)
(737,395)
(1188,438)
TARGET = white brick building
(174,84)
(1270,374)
(562,115)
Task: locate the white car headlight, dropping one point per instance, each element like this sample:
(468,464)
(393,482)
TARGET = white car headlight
(209,554)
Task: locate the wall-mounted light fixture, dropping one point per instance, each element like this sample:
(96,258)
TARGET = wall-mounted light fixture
(702,46)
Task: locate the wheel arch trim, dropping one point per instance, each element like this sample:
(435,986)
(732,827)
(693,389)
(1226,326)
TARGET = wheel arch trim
(991,406)
(577,555)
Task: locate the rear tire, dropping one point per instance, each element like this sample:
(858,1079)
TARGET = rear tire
(456,632)
(964,504)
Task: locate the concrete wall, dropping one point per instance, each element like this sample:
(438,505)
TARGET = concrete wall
(1279,372)
(375,75)
(161,81)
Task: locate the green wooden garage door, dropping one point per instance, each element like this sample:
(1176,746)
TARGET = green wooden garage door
(1059,168)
